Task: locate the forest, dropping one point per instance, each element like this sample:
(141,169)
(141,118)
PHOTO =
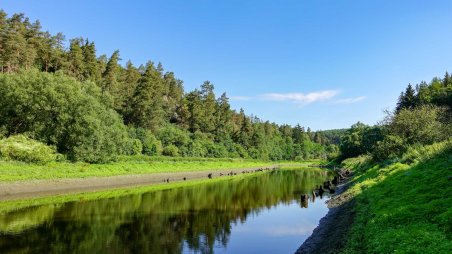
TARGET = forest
(67,112)
(423,116)
(62,101)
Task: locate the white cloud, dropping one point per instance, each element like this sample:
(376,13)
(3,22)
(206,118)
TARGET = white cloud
(350,100)
(301,98)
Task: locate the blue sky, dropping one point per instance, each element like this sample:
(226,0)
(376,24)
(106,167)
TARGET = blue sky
(323,64)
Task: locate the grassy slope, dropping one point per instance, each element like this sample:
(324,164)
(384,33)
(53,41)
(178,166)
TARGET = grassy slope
(402,207)
(17,171)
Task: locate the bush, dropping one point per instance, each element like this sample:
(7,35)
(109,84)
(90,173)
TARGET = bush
(172,135)
(421,125)
(135,147)
(217,150)
(390,147)
(22,148)
(151,145)
(171,150)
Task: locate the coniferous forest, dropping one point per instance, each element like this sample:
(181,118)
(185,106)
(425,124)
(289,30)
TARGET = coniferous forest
(89,107)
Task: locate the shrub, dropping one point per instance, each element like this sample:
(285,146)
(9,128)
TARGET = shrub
(135,147)
(217,150)
(172,135)
(421,125)
(151,145)
(171,150)
(22,148)
(390,147)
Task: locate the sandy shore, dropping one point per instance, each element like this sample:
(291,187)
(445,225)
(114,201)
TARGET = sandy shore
(41,188)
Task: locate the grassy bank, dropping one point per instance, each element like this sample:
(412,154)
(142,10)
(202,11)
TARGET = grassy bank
(18,171)
(404,206)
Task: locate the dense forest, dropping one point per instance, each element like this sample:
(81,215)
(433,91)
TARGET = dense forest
(60,96)
(423,116)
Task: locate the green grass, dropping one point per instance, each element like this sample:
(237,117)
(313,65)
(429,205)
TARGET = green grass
(403,207)
(19,171)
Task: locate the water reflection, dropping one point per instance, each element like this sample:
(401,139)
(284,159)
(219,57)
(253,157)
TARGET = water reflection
(252,215)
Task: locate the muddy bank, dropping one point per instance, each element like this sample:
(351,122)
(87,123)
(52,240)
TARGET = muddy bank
(330,235)
(42,188)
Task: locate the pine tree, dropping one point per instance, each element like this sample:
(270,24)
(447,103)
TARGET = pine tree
(447,81)
(223,116)
(3,26)
(128,80)
(207,120)
(14,43)
(407,100)
(110,74)
(173,96)
(91,69)
(147,110)
(195,110)
(75,65)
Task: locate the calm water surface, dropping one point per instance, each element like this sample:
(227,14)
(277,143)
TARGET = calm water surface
(257,214)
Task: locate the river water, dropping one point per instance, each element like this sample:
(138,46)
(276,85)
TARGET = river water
(262,213)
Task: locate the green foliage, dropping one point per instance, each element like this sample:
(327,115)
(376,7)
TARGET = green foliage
(419,153)
(404,208)
(22,148)
(422,116)
(172,135)
(150,145)
(78,111)
(421,125)
(61,111)
(359,139)
(171,150)
(391,147)
(135,147)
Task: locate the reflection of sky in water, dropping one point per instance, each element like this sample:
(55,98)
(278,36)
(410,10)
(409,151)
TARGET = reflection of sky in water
(280,229)
(258,214)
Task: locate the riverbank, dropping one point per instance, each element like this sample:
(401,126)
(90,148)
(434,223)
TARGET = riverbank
(46,187)
(11,171)
(330,235)
(403,206)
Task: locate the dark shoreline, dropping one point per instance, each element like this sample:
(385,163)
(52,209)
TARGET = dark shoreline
(331,233)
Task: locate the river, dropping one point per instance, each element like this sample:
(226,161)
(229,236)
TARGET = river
(260,213)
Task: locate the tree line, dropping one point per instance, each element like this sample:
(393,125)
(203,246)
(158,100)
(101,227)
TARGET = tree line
(91,108)
(422,116)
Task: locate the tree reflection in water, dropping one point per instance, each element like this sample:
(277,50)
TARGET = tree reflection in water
(198,217)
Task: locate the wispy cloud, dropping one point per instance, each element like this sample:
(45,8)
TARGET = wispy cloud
(350,100)
(241,98)
(301,98)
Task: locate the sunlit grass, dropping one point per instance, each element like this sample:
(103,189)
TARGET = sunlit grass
(404,208)
(17,171)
